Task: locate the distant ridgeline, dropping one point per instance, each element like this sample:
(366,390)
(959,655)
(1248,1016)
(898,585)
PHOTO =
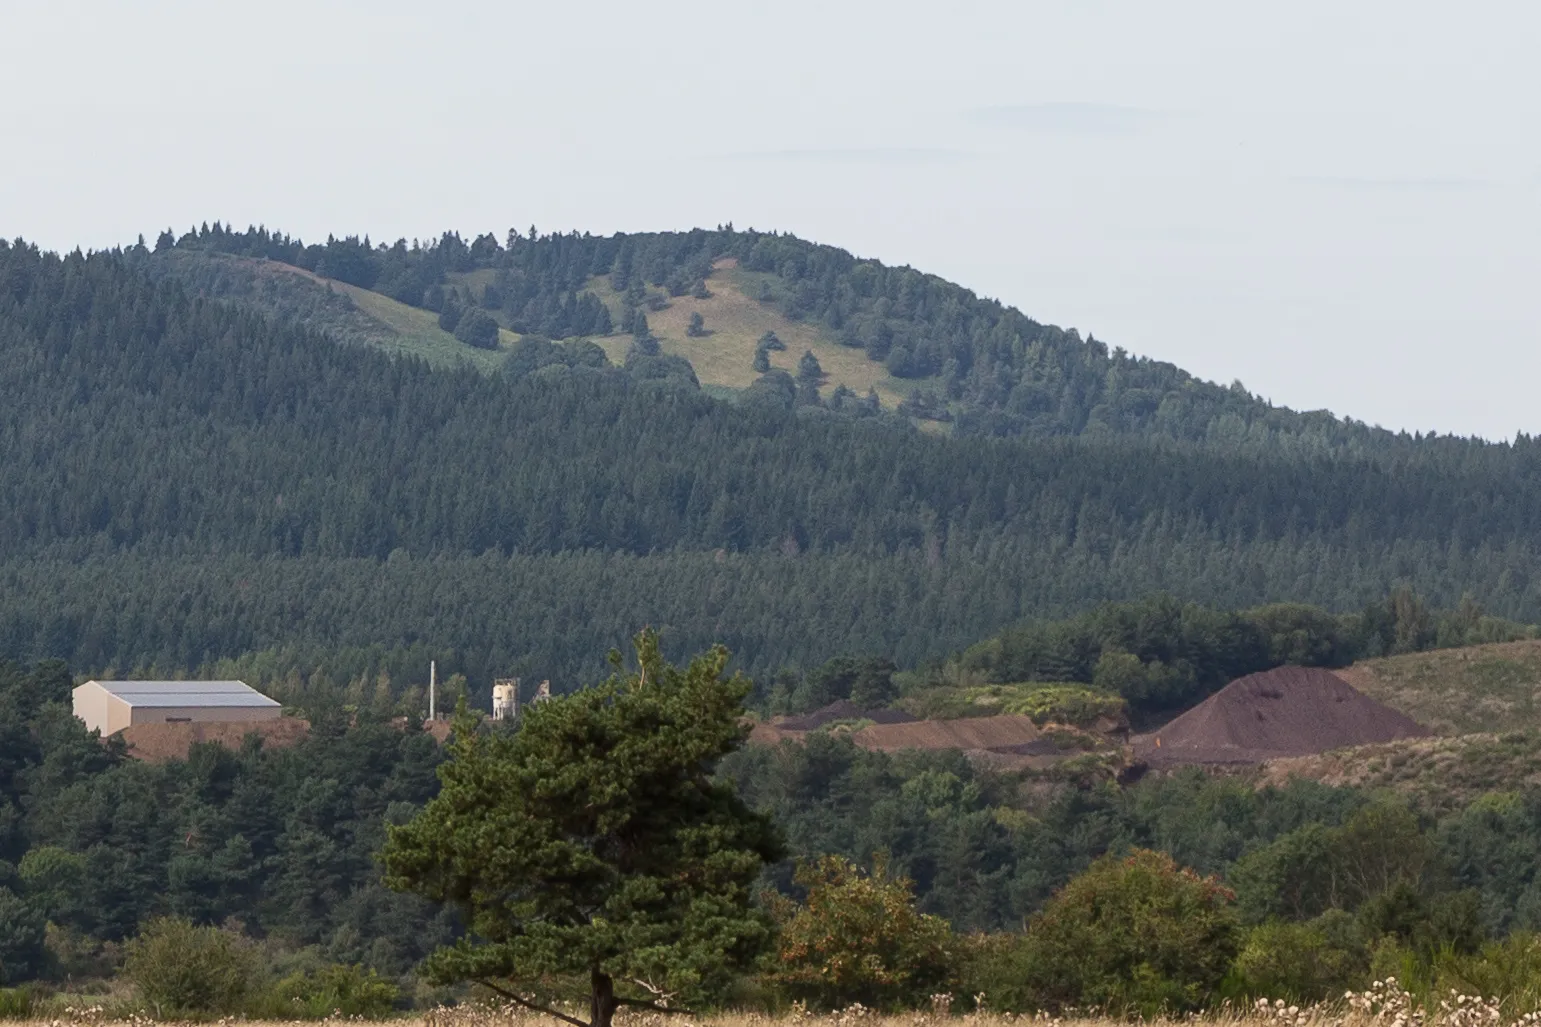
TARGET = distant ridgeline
(984,366)
(187,480)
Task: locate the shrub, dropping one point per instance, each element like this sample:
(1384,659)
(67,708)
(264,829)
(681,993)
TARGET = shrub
(179,968)
(1075,705)
(992,966)
(348,990)
(1303,962)
(859,938)
(1132,934)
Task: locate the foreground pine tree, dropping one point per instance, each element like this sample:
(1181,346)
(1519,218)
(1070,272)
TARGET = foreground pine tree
(593,847)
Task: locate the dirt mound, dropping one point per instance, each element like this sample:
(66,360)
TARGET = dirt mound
(1291,711)
(842,709)
(157,743)
(968,733)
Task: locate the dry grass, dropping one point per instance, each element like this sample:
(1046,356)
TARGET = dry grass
(1381,1006)
(1480,688)
(735,322)
(1442,774)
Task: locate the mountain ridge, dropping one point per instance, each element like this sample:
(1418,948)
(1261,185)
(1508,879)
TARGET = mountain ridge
(973,363)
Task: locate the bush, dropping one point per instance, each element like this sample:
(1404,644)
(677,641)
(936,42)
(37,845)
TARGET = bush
(337,989)
(181,969)
(1132,934)
(993,967)
(1303,962)
(859,938)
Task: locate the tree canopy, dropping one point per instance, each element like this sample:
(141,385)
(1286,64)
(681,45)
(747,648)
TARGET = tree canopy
(594,842)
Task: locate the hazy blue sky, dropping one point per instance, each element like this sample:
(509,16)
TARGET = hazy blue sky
(1338,204)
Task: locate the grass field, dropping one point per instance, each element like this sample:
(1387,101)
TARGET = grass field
(735,321)
(1484,688)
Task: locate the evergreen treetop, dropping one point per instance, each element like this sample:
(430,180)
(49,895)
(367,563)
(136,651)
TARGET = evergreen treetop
(595,844)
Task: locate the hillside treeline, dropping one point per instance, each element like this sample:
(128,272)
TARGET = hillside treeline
(186,482)
(1000,371)
(1160,654)
(1157,655)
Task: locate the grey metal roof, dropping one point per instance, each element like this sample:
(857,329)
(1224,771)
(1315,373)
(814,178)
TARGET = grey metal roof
(186,693)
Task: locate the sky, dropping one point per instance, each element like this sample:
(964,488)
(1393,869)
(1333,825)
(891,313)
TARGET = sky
(1337,204)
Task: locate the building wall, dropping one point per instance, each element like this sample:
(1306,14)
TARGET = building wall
(199,714)
(119,714)
(93,706)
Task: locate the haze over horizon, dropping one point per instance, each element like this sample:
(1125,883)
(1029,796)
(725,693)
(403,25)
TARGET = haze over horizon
(1336,207)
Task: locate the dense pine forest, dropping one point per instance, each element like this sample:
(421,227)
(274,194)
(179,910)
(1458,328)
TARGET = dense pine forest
(187,481)
(193,483)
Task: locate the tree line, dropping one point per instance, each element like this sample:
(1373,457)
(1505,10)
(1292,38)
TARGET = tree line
(986,366)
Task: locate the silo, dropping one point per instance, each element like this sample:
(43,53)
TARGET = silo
(505,699)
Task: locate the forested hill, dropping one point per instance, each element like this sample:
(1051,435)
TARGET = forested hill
(935,350)
(186,481)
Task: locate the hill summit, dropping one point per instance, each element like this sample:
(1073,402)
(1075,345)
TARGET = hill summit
(1291,711)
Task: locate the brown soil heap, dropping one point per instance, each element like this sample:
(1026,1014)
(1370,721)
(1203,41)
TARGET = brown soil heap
(1291,711)
(967,733)
(157,743)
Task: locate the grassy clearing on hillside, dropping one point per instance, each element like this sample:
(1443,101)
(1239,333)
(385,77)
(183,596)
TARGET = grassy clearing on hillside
(419,333)
(1482,688)
(1439,774)
(735,321)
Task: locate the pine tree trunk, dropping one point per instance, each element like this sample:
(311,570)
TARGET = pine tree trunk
(601,999)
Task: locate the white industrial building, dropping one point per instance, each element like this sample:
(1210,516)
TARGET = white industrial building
(111,706)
